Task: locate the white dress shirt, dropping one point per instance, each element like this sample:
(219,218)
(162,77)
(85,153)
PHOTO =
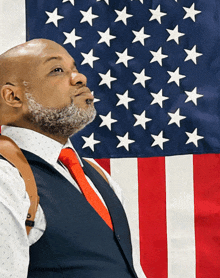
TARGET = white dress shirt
(14,200)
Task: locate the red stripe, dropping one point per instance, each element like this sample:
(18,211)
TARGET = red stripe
(152,215)
(104,163)
(207,215)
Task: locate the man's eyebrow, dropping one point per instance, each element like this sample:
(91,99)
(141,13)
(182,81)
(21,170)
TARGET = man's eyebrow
(52,58)
(57,58)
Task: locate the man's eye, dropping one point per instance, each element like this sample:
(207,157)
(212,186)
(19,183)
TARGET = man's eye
(57,70)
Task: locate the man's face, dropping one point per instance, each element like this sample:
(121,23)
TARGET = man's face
(53,79)
(58,101)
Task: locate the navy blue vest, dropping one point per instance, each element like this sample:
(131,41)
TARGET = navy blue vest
(77,242)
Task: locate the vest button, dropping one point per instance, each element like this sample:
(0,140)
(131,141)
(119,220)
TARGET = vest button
(118,237)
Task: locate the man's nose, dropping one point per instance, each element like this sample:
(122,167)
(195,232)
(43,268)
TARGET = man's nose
(78,79)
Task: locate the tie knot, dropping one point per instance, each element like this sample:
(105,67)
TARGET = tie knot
(68,157)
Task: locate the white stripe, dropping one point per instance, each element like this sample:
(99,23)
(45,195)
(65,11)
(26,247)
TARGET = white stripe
(124,171)
(180,217)
(12,23)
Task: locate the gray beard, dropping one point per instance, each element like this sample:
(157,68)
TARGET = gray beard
(64,121)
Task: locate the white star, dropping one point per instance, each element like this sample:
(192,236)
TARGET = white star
(124,99)
(174,34)
(193,137)
(140,36)
(141,119)
(106,37)
(159,140)
(176,118)
(158,98)
(156,14)
(90,142)
(122,15)
(191,12)
(95,99)
(158,56)
(107,79)
(71,37)
(124,141)
(141,78)
(71,1)
(53,17)
(89,58)
(175,76)
(192,54)
(88,16)
(106,1)
(123,57)
(107,120)
(192,96)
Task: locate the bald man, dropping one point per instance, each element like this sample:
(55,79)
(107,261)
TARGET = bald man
(44,100)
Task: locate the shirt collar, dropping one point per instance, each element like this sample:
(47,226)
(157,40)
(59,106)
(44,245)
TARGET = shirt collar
(37,143)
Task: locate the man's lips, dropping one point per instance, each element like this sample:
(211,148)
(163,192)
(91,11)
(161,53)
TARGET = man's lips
(85,91)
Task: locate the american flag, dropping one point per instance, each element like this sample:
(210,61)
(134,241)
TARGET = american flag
(154,69)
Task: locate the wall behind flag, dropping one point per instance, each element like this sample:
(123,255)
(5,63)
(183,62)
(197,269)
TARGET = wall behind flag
(12,23)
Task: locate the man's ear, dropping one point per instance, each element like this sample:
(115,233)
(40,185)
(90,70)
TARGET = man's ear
(11,95)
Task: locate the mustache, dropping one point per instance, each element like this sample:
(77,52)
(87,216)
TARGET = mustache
(81,90)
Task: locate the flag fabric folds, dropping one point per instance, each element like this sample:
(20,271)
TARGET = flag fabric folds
(153,67)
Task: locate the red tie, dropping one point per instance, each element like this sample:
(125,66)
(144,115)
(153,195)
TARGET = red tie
(69,159)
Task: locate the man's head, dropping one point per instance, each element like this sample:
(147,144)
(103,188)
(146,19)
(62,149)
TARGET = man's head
(42,90)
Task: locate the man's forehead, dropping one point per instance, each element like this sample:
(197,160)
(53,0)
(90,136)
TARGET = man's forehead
(52,52)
